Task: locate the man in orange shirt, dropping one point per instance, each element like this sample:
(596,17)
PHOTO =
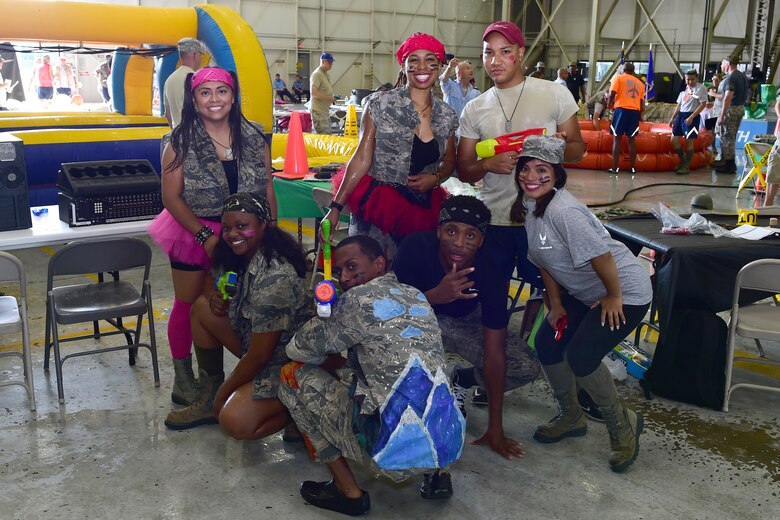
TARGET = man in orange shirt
(627,99)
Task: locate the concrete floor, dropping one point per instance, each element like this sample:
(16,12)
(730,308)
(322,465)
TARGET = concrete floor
(107,454)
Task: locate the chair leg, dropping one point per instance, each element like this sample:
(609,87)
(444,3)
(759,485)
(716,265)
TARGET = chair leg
(47,338)
(152,337)
(317,254)
(730,360)
(28,373)
(760,348)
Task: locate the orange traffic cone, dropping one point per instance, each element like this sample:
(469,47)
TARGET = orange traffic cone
(350,125)
(296,165)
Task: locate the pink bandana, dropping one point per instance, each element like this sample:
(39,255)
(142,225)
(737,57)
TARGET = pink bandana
(420,41)
(212,74)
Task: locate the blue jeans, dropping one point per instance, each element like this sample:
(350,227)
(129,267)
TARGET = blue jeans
(508,248)
(584,340)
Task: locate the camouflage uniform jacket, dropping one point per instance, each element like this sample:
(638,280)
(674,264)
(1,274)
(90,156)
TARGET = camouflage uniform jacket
(381,323)
(395,119)
(269,297)
(205,183)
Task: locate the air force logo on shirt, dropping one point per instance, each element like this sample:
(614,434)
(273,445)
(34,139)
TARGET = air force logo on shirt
(543,244)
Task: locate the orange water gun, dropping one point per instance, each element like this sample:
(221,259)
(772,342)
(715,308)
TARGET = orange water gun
(506,143)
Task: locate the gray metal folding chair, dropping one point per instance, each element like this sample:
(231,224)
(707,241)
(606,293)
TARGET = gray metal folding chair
(108,301)
(13,319)
(322,198)
(756,321)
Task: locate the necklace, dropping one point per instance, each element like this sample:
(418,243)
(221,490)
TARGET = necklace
(228,150)
(508,124)
(421,112)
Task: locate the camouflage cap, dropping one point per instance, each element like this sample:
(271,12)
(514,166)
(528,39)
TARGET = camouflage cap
(544,147)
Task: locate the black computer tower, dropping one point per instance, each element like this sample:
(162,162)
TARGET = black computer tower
(14,197)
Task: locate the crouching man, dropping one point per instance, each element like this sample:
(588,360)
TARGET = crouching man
(390,406)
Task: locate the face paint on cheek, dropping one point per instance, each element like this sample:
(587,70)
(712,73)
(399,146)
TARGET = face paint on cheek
(545,179)
(248,233)
(512,58)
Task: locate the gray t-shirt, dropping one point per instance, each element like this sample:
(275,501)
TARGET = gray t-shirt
(690,98)
(737,82)
(564,241)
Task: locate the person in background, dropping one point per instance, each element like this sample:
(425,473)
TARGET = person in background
(714,107)
(406,149)
(191,53)
(102,72)
(597,293)
(5,86)
(597,106)
(562,75)
(213,152)
(627,102)
(460,91)
(685,121)
(299,90)
(393,378)
(255,325)
(281,89)
(64,79)
(736,92)
(322,95)
(538,72)
(44,78)
(575,83)
(773,166)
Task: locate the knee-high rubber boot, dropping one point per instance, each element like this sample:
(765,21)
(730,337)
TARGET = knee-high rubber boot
(200,412)
(570,422)
(185,386)
(624,425)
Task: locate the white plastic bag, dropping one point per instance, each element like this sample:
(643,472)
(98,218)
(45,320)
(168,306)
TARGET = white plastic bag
(674,224)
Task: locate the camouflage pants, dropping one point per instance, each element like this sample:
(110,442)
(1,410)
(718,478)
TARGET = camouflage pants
(464,336)
(321,122)
(728,131)
(358,226)
(322,409)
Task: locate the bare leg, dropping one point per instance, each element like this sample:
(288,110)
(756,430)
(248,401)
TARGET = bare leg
(632,151)
(344,478)
(245,418)
(771,192)
(616,151)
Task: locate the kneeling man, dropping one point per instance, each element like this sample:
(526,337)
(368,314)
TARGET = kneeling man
(391,406)
(469,296)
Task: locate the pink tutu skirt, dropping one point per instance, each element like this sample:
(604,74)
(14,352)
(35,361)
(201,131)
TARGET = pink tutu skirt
(178,243)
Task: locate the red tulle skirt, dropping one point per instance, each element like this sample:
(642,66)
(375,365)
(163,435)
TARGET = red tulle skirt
(178,243)
(384,207)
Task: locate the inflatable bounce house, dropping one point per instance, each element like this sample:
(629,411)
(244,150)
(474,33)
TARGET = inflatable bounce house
(139,37)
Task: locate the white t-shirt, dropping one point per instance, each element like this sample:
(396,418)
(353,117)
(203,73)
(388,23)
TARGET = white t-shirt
(174,93)
(543,104)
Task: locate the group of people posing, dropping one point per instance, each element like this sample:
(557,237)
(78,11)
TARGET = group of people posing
(421,273)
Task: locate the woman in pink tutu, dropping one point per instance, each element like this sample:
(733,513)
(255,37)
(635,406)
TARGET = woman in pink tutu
(214,152)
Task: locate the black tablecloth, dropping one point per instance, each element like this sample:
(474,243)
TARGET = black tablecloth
(692,271)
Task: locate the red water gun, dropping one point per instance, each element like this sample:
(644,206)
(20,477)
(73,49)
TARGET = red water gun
(563,321)
(506,143)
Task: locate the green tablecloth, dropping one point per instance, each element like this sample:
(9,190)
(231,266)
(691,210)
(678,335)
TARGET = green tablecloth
(294,200)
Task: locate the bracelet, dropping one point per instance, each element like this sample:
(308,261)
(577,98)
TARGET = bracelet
(335,205)
(439,179)
(203,234)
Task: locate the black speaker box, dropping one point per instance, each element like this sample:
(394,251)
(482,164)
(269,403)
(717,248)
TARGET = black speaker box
(85,179)
(14,198)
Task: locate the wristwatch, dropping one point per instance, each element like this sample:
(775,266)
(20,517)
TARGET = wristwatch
(335,205)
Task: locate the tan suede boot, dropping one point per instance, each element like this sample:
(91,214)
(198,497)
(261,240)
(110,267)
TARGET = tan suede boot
(200,412)
(623,424)
(571,421)
(185,386)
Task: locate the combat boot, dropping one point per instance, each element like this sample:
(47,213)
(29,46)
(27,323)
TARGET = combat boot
(729,166)
(201,411)
(185,386)
(623,424)
(570,422)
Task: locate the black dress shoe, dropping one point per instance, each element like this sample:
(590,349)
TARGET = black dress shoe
(436,486)
(325,496)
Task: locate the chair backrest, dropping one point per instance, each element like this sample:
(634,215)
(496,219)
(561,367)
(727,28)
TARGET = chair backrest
(12,270)
(761,275)
(100,256)
(322,198)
